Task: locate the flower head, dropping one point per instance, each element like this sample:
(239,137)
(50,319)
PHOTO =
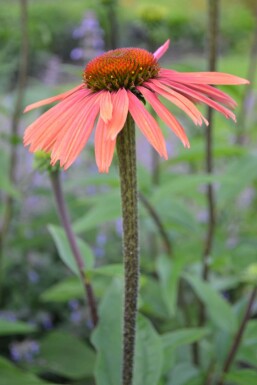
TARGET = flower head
(115,84)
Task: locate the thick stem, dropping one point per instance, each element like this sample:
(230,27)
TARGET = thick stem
(64,216)
(238,337)
(21,85)
(126,149)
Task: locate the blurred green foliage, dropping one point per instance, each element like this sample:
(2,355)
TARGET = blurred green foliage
(45,331)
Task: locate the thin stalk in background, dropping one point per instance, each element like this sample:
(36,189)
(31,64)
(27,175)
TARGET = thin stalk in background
(238,337)
(15,121)
(213,21)
(64,216)
(126,149)
(248,91)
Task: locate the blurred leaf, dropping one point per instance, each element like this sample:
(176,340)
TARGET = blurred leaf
(107,336)
(64,291)
(182,184)
(185,374)
(152,302)
(11,375)
(183,337)
(65,252)
(173,340)
(17,327)
(64,354)
(242,377)
(219,310)
(105,210)
(111,270)
(149,353)
(108,333)
(169,273)
(238,176)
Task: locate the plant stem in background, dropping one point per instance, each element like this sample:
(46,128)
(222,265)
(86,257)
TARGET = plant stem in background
(63,213)
(157,220)
(15,120)
(213,19)
(126,150)
(248,91)
(238,337)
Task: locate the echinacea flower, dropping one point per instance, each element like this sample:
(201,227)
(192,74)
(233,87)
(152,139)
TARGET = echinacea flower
(115,84)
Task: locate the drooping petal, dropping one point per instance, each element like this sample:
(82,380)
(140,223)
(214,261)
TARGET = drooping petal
(106,106)
(179,100)
(47,126)
(104,147)
(147,124)
(55,98)
(215,94)
(165,114)
(204,99)
(202,77)
(161,50)
(120,104)
(74,136)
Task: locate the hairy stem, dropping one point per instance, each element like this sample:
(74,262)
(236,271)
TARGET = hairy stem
(213,18)
(126,149)
(64,216)
(15,120)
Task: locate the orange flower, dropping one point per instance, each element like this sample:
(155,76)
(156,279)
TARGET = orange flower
(115,84)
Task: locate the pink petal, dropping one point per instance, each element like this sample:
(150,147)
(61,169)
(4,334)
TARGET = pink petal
(46,127)
(105,106)
(55,98)
(202,77)
(147,124)
(179,100)
(120,104)
(165,114)
(161,50)
(202,98)
(214,93)
(73,137)
(104,148)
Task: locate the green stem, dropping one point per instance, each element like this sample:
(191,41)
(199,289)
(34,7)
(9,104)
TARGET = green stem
(126,150)
(238,337)
(64,216)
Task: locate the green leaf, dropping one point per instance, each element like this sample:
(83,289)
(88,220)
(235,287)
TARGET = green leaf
(149,353)
(65,252)
(64,354)
(114,269)
(242,377)
(11,375)
(18,327)
(173,340)
(107,337)
(218,308)
(182,184)
(106,209)
(169,273)
(185,374)
(238,176)
(183,337)
(64,291)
